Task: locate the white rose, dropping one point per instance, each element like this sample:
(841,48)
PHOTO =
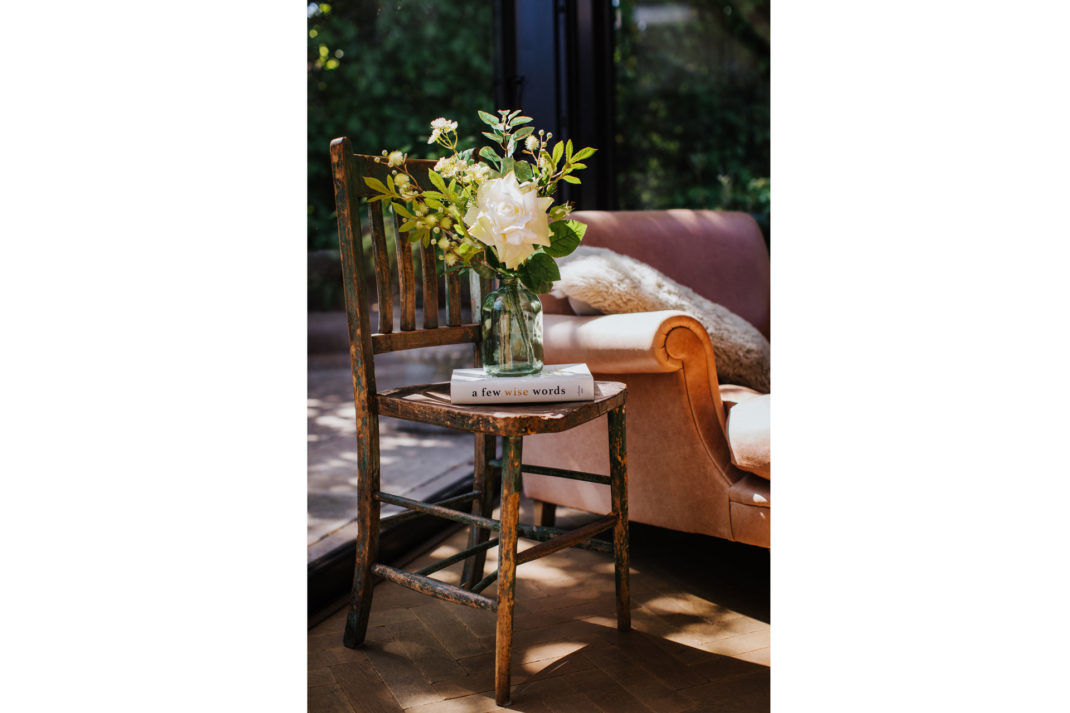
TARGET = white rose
(510,218)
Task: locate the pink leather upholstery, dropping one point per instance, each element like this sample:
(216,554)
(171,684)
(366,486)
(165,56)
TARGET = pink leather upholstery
(719,254)
(680,469)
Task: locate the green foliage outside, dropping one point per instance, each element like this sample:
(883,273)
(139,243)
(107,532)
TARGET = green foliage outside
(378,72)
(692,100)
(693,106)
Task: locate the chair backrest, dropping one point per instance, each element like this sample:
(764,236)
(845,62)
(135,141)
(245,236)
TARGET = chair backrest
(348,170)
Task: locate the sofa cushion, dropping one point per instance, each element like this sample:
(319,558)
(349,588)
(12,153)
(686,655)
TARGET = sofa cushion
(719,254)
(615,283)
(732,394)
(748,435)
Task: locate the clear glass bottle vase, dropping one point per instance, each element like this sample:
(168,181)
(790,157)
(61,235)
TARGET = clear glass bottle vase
(512,330)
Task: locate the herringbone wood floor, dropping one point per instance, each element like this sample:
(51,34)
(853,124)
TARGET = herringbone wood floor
(700,638)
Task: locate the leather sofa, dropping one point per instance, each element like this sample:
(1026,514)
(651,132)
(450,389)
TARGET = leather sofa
(682,470)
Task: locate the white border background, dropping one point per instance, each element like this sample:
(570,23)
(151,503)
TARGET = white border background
(153,286)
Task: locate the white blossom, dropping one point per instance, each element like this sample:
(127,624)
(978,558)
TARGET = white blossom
(441,126)
(449,166)
(444,124)
(509,217)
(476,172)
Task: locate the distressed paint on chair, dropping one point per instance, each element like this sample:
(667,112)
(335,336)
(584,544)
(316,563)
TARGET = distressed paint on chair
(430,403)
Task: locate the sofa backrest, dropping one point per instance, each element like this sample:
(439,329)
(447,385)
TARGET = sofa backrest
(719,254)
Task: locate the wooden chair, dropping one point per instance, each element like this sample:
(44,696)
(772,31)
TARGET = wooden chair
(430,403)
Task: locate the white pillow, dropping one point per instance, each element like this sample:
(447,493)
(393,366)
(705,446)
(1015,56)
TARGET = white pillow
(613,283)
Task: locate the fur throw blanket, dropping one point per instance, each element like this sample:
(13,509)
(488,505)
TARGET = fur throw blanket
(598,280)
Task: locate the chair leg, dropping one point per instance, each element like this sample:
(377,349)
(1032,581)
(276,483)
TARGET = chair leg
(367,554)
(486,445)
(545,513)
(510,517)
(618,470)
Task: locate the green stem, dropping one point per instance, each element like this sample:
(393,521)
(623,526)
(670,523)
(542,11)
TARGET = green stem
(512,298)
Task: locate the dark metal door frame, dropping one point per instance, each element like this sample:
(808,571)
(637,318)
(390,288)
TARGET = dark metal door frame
(555,62)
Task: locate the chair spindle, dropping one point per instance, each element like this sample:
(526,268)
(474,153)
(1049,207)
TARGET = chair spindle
(427,262)
(382,269)
(453,299)
(406,279)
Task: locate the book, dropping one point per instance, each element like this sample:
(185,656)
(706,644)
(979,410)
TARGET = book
(556,382)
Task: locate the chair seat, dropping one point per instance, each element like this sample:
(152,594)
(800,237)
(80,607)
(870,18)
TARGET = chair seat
(430,403)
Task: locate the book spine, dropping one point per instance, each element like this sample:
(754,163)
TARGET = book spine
(531,392)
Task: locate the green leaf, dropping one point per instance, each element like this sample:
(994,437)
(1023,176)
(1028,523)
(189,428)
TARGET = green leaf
(539,273)
(565,236)
(496,138)
(376,185)
(417,235)
(483,270)
(522,170)
(524,132)
(579,228)
(401,210)
(390,184)
(407,226)
(437,180)
(491,259)
(488,153)
(568,150)
(488,119)
(434,194)
(507,165)
(584,153)
(559,147)
(577,166)
(519,120)
(570,179)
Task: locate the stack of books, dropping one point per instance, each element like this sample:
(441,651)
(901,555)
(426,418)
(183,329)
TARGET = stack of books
(556,382)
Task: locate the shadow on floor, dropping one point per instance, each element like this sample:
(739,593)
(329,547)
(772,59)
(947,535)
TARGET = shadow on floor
(699,642)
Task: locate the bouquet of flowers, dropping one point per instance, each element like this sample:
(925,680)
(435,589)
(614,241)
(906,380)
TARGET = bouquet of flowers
(494,211)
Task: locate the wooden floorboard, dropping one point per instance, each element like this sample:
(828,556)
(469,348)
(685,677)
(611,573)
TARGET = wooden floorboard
(700,641)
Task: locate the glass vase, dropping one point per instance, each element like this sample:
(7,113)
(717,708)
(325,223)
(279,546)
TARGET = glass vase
(512,330)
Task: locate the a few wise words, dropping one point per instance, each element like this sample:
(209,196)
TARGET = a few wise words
(548,391)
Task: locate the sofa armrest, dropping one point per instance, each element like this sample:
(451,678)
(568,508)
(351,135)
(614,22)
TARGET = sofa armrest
(634,343)
(637,343)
